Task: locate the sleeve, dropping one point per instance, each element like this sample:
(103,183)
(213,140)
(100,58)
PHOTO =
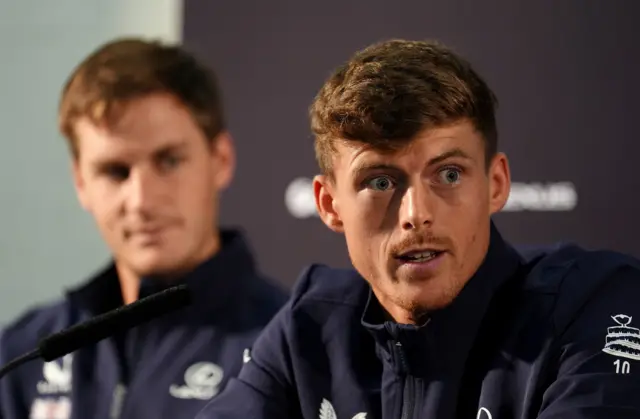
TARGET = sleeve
(263,389)
(11,403)
(598,359)
(12,398)
(17,338)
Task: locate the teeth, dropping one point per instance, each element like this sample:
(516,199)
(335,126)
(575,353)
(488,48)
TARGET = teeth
(422,256)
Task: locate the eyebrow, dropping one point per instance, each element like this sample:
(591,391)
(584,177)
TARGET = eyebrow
(171,148)
(456,152)
(106,162)
(365,167)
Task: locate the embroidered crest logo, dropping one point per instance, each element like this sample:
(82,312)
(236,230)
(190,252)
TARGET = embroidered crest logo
(202,381)
(57,376)
(246,356)
(623,340)
(327,411)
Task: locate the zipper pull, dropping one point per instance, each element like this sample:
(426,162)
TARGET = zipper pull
(401,357)
(117,401)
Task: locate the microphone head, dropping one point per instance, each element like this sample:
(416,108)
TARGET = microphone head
(114,321)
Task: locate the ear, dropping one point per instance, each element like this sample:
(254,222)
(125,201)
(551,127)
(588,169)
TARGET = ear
(326,204)
(79,184)
(499,182)
(225,160)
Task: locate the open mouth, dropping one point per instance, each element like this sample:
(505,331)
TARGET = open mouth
(420,256)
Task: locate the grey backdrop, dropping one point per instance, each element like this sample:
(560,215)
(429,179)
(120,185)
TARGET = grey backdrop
(566,74)
(47,242)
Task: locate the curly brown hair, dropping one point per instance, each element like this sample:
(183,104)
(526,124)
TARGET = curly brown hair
(129,68)
(390,91)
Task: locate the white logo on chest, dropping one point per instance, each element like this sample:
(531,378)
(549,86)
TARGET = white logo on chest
(57,376)
(327,411)
(623,340)
(246,356)
(202,381)
(483,413)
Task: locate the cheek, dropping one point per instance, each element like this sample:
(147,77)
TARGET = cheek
(109,221)
(471,233)
(362,250)
(195,197)
(467,204)
(372,211)
(202,192)
(467,217)
(107,214)
(365,233)
(362,218)
(105,204)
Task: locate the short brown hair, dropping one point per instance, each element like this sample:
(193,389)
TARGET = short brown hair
(128,68)
(390,91)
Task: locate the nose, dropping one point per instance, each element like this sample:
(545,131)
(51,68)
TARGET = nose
(416,208)
(142,190)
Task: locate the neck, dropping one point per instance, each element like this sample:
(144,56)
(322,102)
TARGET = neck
(129,285)
(130,279)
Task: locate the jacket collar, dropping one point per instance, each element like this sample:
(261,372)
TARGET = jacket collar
(215,284)
(445,340)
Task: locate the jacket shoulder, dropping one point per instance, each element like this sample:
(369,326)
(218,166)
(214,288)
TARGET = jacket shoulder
(24,332)
(575,276)
(267,295)
(320,283)
(557,268)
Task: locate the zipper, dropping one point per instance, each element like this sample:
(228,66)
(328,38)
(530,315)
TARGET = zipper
(117,401)
(132,356)
(408,391)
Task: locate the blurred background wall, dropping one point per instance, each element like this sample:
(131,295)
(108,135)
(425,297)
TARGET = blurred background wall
(46,241)
(566,74)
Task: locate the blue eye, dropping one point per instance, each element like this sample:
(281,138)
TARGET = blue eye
(169,162)
(380,183)
(450,175)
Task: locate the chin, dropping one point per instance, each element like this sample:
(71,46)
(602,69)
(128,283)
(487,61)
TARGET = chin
(155,264)
(427,295)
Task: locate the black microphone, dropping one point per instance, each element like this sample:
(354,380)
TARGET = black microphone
(105,325)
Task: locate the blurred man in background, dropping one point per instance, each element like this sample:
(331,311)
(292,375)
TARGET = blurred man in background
(150,157)
(441,317)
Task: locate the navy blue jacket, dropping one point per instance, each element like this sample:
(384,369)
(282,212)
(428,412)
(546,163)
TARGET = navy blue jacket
(554,338)
(167,368)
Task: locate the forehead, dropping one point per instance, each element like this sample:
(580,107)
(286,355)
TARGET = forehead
(143,125)
(454,140)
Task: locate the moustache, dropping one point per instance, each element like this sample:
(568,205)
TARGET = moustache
(425,241)
(150,224)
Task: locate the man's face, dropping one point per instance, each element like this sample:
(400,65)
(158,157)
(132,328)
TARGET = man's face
(151,181)
(416,220)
